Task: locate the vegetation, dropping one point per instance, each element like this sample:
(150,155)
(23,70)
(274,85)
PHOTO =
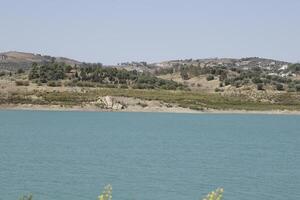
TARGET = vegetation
(237,77)
(2,73)
(185,99)
(295,67)
(83,84)
(107,194)
(95,75)
(47,72)
(25,197)
(215,195)
(22,83)
(210,77)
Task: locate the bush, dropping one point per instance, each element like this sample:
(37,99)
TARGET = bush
(294,67)
(219,90)
(210,77)
(22,83)
(257,80)
(20,71)
(215,195)
(297,87)
(260,86)
(54,83)
(2,74)
(279,87)
(106,194)
(291,90)
(29,197)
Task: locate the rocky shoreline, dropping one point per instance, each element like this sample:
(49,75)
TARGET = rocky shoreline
(154,109)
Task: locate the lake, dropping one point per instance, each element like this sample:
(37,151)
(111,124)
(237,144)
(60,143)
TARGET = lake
(148,156)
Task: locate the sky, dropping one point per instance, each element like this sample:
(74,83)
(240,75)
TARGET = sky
(114,31)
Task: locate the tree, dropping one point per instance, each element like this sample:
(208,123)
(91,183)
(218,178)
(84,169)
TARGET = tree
(34,72)
(184,74)
(68,68)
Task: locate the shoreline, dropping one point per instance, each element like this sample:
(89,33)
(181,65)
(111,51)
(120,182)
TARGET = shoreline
(179,110)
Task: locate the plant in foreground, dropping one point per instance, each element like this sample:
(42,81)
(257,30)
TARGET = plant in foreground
(106,194)
(24,197)
(215,195)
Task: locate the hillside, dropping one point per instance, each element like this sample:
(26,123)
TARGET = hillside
(14,60)
(203,84)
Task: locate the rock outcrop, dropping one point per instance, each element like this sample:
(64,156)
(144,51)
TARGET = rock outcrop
(110,103)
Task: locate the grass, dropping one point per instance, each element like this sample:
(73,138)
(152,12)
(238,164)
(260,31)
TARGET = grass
(185,99)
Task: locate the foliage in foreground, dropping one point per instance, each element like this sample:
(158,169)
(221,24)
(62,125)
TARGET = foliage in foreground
(25,197)
(215,195)
(107,194)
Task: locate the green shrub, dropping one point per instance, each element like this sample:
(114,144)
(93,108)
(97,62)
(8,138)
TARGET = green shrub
(22,83)
(54,83)
(20,71)
(210,77)
(260,86)
(297,86)
(215,195)
(2,73)
(219,90)
(106,194)
(25,197)
(279,87)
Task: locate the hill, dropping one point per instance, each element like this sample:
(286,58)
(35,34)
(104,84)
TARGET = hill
(14,60)
(202,84)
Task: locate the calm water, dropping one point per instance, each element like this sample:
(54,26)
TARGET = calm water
(72,155)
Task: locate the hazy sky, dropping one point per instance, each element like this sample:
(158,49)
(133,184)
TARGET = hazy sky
(112,31)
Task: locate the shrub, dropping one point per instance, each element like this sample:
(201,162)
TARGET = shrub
(279,87)
(22,83)
(227,82)
(219,90)
(294,67)
(106,194)
(24,197)
(297,87)
(54,83)
(291,90)
(210,77)
(257,80)
(260,86)
(20,71)
(2,73)
(184,75)
(215,195)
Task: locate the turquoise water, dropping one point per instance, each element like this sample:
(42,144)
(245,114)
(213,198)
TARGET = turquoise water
(148,156)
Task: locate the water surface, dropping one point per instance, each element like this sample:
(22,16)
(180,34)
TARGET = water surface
(148,156)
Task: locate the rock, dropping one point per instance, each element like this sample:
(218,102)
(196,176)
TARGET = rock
(111,103)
